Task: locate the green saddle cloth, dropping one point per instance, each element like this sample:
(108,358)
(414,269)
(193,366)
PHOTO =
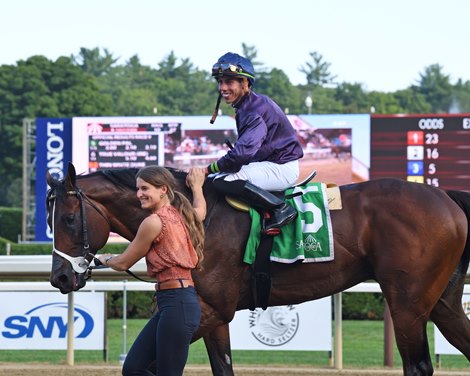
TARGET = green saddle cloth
(309,238)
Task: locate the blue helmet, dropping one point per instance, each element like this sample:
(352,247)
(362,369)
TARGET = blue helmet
(234,65)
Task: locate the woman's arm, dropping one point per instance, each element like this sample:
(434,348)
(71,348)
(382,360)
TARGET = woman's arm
(148,230)
(195,180)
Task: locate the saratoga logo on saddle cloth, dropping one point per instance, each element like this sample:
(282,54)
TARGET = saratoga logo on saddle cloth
(309,238)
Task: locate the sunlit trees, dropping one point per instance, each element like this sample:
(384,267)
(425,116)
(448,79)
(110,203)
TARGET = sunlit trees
(95,83)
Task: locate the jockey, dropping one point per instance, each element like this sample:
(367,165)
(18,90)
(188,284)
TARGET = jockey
(267,152)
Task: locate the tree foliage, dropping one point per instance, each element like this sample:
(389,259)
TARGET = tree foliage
(317,71)
(436,88)
(94,83)
(93,62)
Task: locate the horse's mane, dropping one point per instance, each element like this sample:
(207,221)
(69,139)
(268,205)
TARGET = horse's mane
(125,177)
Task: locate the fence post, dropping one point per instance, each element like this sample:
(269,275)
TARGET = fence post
(338,354)
(70,330)
(388,337)
(123,355)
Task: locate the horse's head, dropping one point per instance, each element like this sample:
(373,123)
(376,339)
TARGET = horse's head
(80,228)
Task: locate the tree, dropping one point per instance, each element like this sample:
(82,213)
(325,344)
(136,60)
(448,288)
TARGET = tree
(384,103)
(184,89)
(168,67)
(353,98)
(10,165)
(38,87)
(436,88)
(412,102)
(317,71)
(460,97)
(276,85)
(251,53)
(93,62)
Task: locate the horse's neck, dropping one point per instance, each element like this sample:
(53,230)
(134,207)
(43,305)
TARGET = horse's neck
(122,210)
(127,217)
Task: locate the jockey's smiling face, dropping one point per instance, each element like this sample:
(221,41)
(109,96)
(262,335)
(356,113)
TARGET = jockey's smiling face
(232,89)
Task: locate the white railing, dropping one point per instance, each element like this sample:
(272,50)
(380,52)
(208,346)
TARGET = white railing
(21,267)
(25,267)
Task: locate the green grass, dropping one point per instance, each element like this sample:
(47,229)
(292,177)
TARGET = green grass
(362,348)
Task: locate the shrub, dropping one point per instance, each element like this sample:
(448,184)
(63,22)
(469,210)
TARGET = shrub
(10,223)
(363,306)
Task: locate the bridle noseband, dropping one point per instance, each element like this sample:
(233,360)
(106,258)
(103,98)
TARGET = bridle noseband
(80,264)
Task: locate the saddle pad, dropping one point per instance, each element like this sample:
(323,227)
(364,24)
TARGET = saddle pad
(309,238)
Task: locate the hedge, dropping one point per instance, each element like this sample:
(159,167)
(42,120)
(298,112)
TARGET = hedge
(10,223)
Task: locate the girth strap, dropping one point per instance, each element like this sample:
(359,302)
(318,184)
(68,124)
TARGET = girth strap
(261,273)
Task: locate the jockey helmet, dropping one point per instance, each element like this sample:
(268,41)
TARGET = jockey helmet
(234,65)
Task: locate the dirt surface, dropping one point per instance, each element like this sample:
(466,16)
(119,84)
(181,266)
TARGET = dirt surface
(330,170)
(7,369)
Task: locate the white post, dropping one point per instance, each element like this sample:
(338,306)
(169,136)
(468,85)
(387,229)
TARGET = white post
(70,330)
(308,103)
(338,355)
(122,357)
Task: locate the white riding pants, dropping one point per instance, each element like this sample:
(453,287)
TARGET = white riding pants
(266,175)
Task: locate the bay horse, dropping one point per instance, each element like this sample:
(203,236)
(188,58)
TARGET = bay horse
(413,239)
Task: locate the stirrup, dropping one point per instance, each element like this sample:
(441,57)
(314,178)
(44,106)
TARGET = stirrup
(271,231)
(276,230)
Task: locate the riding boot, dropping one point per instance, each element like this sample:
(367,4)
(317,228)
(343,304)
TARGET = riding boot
(278,212)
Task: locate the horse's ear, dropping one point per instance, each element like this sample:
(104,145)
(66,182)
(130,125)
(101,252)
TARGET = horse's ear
(50,180)
(71,177)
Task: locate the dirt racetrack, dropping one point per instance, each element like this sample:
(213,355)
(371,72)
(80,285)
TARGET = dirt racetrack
(9,369)
(329,170)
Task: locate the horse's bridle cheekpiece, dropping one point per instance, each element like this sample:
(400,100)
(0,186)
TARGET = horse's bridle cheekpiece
(80,264)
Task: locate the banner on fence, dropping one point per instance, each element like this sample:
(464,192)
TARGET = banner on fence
(441,345)
(305,326)
(38,321)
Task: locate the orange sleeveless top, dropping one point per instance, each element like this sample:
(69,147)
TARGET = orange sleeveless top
(171,255)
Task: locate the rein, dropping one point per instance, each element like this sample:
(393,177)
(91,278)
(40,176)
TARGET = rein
(210,212)
(81,264)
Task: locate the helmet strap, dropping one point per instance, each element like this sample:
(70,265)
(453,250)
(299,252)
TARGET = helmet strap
(216,110)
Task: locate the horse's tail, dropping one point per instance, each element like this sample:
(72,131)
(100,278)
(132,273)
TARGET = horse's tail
(462,199)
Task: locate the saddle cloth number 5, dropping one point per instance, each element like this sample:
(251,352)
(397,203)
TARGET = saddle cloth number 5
(308,207)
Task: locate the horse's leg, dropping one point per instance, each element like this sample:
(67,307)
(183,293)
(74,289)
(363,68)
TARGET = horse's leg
(450,318)
(409,321)
(214,329)
(218,348)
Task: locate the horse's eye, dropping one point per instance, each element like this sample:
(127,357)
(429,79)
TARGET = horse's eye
(69,219)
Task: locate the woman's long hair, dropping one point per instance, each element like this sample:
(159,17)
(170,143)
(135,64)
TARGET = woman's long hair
(160,176)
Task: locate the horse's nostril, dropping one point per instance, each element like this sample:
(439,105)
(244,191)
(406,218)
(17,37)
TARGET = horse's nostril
(59,280)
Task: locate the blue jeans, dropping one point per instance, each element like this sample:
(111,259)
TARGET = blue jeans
(165,339)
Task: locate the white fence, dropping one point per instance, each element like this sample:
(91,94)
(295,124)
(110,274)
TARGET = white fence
(26,267)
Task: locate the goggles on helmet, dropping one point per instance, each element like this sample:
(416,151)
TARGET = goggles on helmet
(228,69)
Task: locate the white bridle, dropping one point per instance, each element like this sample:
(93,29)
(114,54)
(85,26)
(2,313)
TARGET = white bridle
(79,264)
